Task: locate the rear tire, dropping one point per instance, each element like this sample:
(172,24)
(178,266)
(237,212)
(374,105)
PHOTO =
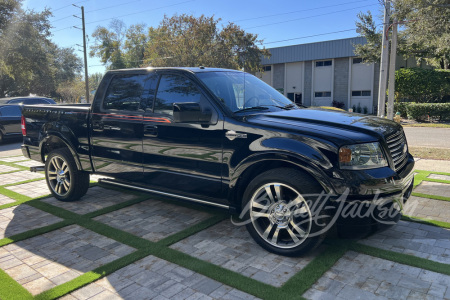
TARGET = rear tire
(284,212)
(64,180)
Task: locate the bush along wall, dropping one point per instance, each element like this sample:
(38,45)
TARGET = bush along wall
(425,111)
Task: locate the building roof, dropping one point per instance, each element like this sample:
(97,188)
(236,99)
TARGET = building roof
(313,51)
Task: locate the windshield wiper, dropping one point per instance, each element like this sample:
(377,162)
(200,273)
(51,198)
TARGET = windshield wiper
(252,108)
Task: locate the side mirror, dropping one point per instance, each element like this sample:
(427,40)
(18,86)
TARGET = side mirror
(190,112)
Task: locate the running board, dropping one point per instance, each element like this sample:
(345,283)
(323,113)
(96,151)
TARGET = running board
(113,182)
(37,169)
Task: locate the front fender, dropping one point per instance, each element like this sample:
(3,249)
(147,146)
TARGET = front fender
(295,161)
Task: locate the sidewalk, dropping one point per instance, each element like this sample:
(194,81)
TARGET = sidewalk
(432,165)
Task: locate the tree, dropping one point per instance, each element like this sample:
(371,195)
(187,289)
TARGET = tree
(424,32)
(29,61)
(426,29)
(71,91)
(119,47)
(185,40)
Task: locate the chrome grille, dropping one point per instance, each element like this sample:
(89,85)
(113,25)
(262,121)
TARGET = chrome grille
(396,144)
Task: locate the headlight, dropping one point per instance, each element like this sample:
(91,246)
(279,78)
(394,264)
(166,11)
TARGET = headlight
(361,156)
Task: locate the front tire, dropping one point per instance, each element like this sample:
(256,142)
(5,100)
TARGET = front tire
(64,180)
(285,212)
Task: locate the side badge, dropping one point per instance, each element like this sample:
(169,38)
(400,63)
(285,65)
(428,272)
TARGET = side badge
(232,135)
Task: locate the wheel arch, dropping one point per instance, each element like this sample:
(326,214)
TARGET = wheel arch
(53,141)
(258,164)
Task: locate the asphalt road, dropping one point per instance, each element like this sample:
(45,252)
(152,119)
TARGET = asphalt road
(428,137)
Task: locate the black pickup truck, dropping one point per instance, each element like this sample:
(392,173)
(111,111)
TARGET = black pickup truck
(224,138)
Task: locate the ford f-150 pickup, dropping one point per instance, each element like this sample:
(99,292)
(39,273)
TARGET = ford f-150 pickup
(225,138)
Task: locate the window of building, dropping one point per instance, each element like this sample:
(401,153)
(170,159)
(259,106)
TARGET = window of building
(124,92)
(357,60)
(324,63)
(267,68)
(361,93)
(175,88)
(322,94)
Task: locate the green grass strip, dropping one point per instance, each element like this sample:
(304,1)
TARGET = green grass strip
(432,172)
(441,198)
(91,276)
(401,258)
(13,164)
(303,280)
(420,176)
(10,289)
(33,233)
(426,221)
(23,182)
(225,276)
(174,238)
(115,207)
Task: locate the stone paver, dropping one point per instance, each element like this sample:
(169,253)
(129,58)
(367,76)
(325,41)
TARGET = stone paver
(232,247)
(32,189)
(433,165)
(428,208)
(44,261)
(416,239)
(438,176)
(22,218)
(153,219)
(16,177)
(95,199)
(360,276)
(4,169)
(14,159)
(154,278)
(5,200)
(30,163)
(433,188)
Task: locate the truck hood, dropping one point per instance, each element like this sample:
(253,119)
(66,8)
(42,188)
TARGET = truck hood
(357,127)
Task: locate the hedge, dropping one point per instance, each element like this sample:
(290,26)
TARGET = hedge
(422,85)
(435,111)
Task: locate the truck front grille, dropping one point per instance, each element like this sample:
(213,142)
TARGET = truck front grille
(396,144)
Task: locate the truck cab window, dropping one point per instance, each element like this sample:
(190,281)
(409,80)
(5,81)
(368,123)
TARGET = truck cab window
(125,92)
(175,88)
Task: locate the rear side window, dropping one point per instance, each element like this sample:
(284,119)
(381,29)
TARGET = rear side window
(10,111)
(174,89)
(125,92)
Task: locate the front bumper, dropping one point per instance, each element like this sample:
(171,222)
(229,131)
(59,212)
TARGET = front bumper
(365,214)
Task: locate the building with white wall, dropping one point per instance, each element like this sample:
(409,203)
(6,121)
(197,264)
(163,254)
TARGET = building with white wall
(315,74)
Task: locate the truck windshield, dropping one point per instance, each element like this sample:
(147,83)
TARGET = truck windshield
(241,91)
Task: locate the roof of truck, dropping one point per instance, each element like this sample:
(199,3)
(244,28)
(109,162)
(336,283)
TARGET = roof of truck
(189,69)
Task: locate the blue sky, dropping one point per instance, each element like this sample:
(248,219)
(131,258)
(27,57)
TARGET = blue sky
(273,21)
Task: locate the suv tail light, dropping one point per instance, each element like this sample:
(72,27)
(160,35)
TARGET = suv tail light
(23,125)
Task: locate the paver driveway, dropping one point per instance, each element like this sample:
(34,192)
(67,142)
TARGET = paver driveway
(118,244)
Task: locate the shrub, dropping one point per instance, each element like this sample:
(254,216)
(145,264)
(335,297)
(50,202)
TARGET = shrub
(401,107)
(338,104)
(422,85)
(421,111)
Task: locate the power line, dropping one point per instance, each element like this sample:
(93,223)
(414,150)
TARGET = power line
(309,36)
(98,9)
(69,5)
(297,11)
(308,17)
(126,15)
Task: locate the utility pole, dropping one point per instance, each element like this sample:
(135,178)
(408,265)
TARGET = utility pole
(384,60)
(86,75)
(392,60)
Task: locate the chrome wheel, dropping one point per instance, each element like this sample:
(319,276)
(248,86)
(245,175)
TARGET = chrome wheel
(59,175)
(280,215)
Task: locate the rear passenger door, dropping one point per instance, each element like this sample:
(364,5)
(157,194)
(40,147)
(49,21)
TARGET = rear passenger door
(10,119)
(117,128)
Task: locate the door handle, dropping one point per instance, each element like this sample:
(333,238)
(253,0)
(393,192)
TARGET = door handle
(151,130)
